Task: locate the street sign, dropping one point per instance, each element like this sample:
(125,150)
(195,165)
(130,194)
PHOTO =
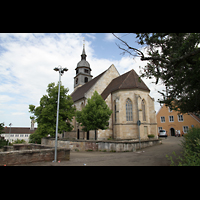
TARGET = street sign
(138,122)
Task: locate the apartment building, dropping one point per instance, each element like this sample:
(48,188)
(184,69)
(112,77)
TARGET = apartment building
(171,121)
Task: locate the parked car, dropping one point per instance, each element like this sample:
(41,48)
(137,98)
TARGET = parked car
(162,133)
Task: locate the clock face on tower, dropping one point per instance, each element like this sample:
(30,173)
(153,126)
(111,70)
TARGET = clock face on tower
(76,80)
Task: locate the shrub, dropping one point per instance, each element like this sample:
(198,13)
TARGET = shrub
(19,141)
(151,136)
(191,149)
(3,142)
(35,138)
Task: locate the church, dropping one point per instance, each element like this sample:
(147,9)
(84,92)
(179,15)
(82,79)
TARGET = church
(125,94)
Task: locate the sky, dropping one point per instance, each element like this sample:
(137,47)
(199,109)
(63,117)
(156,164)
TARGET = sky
(27,61)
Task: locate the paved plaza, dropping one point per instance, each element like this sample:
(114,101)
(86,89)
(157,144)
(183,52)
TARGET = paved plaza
(150,156)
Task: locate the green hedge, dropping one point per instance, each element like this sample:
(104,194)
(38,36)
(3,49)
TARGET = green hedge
(191,149)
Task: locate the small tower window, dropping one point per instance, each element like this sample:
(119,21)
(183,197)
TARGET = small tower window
(86,79)
(76,80)
(86,71)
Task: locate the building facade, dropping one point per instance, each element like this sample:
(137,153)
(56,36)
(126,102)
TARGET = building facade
(172,121)
(126,95)
(19,133)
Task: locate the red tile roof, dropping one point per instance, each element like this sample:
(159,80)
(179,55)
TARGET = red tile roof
(195,117)
(18,130)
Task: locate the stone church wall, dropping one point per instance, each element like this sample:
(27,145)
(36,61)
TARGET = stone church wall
(129,129)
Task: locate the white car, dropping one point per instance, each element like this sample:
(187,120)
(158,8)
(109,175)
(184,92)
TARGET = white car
(162,133)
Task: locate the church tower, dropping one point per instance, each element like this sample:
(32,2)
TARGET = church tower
(83,70)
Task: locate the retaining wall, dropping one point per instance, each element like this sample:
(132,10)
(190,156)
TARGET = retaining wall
(96,145)
(31,153)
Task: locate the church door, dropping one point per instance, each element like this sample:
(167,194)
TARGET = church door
(78,134)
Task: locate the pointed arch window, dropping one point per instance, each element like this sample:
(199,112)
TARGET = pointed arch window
(116,109)
(129,113)
(143,110)
(115,105)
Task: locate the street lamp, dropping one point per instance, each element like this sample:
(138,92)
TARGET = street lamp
(61,72)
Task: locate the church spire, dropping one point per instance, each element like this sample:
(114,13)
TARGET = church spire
(83,55)
(83,70)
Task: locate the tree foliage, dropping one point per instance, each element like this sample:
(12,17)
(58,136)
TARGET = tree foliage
(45,114)
(1,128)
(174,59)
(3,142)
(95,114)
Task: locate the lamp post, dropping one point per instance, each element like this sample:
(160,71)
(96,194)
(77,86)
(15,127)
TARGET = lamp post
(61,72)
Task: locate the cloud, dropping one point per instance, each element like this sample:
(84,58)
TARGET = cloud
(26,66)
(110,37)
(18,113)
(91,35)
(31,63)
(5,98)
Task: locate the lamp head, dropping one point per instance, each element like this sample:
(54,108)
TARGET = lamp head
(56,69)
(65,69)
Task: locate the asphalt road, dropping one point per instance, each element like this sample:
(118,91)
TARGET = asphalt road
(150,156)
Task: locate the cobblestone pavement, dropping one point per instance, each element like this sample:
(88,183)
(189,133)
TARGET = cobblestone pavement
(150,156)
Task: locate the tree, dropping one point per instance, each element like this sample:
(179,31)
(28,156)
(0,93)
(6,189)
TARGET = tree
(95,114)
(3,142)
(45,114)
(173,58)
(1,128)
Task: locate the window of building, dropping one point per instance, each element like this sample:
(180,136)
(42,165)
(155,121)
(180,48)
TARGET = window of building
(185,129)
(171,118)
(115,112)
(180,118)
(116,109)
(129,114)
(86,71)
(21,135)
(159,128)
(143,110)
(77,71)
(86,79)
(162,119)
(16,135)
(82,106)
